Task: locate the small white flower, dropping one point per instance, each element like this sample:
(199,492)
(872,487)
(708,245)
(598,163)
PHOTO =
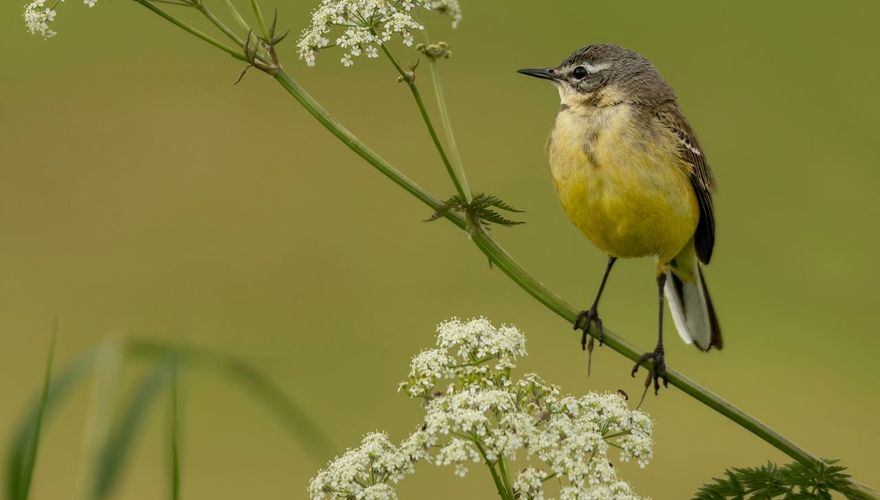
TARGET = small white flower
(529,483)
(366,25)
(365,471)
(447,7)
(37,18)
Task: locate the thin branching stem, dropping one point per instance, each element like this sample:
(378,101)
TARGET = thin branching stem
(193,31)
(457,163)
(261,21)
(454,152)
(173,2)
(505,478)
(499,483)
(409,80)
(237,16)
(208,13)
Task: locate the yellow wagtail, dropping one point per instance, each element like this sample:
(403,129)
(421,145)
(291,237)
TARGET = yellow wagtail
(631,175)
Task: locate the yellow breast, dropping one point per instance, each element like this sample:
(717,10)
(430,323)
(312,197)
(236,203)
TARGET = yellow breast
(622,183)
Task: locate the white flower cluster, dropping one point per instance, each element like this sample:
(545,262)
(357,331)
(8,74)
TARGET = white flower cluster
(366,25)
(473,352)
(37,17)
(476,413)
(364,472)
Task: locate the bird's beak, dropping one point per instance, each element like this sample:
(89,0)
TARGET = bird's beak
(543,73)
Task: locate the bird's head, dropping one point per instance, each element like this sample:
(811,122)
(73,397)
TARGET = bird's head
(605,74)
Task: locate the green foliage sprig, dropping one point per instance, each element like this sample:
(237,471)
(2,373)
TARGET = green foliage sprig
(789,482)
(483,208)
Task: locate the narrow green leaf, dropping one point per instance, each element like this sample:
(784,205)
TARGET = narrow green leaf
(21,453)
(113,455)
(29,460)
(174,434)
(295,418)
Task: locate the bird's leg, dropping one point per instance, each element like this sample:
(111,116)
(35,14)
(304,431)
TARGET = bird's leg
(591,315)
(658,361)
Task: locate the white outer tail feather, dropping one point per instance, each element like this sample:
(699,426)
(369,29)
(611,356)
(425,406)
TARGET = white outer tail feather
(690,312)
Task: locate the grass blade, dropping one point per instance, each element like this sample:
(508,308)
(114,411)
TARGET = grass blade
(174,434)
(295,418)
(111,461)
(24,454)
(105,384)
(21,454)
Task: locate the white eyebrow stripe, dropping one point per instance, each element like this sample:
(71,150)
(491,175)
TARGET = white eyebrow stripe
(597,68)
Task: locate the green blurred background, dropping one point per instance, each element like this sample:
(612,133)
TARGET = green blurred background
(142,194)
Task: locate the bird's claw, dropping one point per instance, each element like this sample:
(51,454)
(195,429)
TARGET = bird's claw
(583,321)
(658,368)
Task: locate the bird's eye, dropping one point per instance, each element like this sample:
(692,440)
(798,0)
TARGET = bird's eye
(580,72)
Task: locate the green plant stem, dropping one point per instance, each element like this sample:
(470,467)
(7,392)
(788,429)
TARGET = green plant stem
(444,116)
(193,31)
(356,145)
(499,484)
(457,163)
(261,21)
(429,124)
(237,16)
(505,478)
(208,13)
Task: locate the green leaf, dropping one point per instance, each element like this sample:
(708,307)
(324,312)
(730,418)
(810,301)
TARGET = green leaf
(499,203)
(28,460)
(113,456)
(113,452)
(21,454)
(454,203)
(492,216)
(294,418)
(793,481)
(174,435)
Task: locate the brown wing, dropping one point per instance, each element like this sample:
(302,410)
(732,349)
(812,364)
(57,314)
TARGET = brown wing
(701,176)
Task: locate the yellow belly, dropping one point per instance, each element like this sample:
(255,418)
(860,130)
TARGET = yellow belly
(626,189)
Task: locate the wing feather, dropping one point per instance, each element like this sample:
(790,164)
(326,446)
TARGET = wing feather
(701,176)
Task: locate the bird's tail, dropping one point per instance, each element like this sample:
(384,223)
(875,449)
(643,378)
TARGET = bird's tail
(690,303)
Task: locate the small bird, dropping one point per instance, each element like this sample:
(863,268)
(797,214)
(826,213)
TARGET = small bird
(632,176)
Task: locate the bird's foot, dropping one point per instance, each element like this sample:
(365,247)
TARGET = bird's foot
(583,322)
(658,368)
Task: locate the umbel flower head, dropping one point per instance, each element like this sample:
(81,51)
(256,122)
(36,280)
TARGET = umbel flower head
(366,25)
(475,412)
(38,16)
